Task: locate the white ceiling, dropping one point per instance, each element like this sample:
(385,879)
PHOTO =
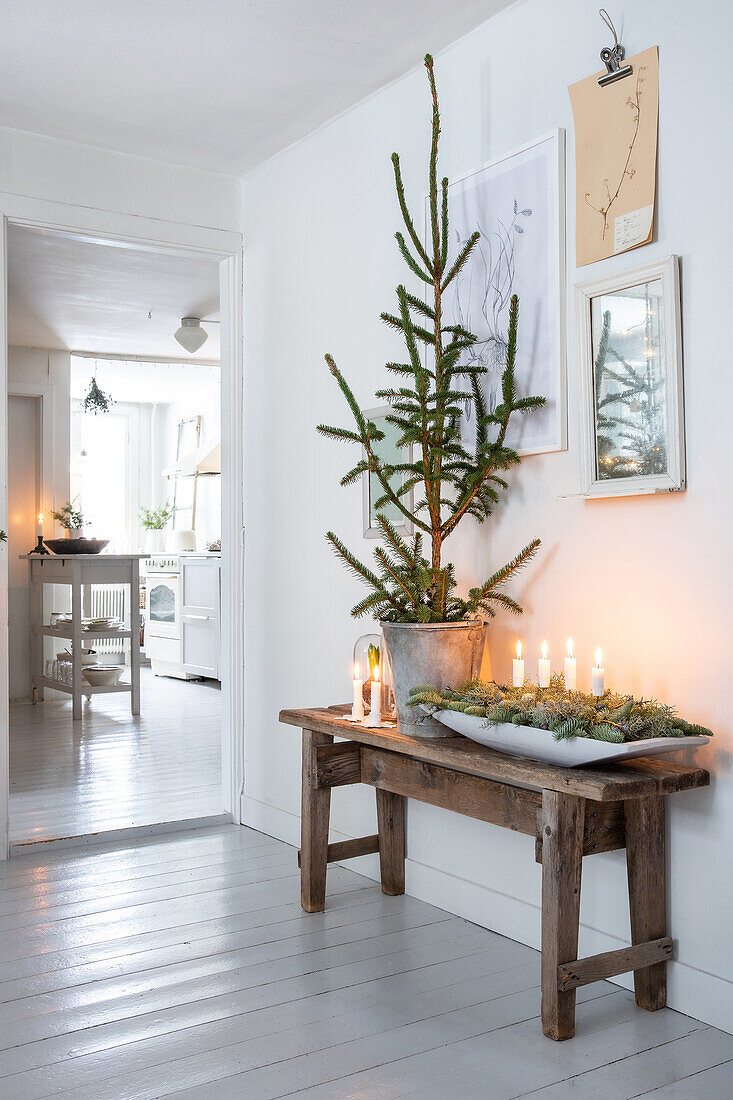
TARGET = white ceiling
(78,295)
(217,84)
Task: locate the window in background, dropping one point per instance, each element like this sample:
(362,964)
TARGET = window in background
(104,475)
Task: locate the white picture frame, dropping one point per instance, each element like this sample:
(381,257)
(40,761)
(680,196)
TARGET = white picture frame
(658,283)
(527,182)
(370,491)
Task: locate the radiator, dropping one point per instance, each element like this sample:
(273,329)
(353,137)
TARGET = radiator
(108,599)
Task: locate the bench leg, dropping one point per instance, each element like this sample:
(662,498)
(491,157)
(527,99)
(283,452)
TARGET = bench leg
(647,903)
(563,821)
(391,829)
(314,815)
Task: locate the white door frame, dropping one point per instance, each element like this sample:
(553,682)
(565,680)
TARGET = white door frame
(150,235)
(43,393)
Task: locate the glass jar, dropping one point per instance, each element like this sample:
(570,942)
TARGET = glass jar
(370,652)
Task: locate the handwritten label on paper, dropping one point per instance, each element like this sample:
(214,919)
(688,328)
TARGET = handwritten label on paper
(615,158)
(632,228)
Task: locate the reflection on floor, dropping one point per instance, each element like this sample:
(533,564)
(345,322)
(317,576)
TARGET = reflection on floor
(112,771)
(183,965)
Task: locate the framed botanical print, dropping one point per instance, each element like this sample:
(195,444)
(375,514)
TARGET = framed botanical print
(518,205)
(388,452)
(631,386)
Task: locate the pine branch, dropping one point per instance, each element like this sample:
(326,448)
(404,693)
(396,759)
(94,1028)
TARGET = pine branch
(444,224)
(414,236)
(460,260)
(410,260)
(353,564)
(394,539)
(338,433)
(433,171)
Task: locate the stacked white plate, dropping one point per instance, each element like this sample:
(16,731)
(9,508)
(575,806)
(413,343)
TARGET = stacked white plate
(110,622)
(101,624)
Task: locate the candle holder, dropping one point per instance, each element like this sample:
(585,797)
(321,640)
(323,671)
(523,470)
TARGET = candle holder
(39,548)
(370,650)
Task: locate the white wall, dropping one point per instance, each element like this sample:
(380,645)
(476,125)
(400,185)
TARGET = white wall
(67,172)
(648,578)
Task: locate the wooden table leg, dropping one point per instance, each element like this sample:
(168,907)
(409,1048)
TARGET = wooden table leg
(314,815)
(563,821)
(135,639)
(37,669)
(391,829)
(76,644)
(647,902)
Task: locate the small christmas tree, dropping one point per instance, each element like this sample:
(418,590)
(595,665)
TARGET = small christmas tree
(450,481)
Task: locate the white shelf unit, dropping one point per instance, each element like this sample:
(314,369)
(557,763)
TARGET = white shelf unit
(79,571)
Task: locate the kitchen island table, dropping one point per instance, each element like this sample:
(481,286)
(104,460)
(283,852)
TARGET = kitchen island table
(79,571)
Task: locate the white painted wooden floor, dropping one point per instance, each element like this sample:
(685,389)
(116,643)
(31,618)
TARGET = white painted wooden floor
(112,771)
(182,965)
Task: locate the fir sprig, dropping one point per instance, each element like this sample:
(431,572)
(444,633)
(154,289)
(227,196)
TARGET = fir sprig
(567,714)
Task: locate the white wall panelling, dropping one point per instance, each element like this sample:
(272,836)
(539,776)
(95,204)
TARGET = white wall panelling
(648,579)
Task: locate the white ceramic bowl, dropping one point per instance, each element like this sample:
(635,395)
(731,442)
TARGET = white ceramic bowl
(103,675)
(536,744)
(88,657)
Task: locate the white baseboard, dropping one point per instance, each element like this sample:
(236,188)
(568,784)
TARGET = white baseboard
(704,996)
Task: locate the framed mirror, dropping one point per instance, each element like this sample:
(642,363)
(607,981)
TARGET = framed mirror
(631,390)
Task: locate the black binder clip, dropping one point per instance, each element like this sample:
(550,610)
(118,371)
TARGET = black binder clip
(612,56)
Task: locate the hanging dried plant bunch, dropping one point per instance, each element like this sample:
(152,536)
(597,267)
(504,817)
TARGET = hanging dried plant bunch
(96,400)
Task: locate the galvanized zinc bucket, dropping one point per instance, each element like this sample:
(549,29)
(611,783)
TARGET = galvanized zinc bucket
(439,654)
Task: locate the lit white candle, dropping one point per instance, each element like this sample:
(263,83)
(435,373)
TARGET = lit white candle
(40,523)
(518,668)
(357,707)
(571,668)
(375,711)
(544,667)
(598,675)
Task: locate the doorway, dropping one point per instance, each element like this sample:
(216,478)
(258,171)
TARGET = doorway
(182,737)
(24,504)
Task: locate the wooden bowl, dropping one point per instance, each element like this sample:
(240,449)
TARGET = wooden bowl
(76,546)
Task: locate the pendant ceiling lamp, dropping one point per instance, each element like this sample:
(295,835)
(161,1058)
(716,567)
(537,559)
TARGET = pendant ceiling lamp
(190,335)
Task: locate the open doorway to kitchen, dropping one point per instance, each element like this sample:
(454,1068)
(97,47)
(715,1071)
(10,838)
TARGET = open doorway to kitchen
(118,720)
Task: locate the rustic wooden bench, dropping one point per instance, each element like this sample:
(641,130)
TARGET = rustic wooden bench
(571,813)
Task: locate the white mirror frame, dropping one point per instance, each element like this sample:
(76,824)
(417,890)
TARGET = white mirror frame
(674,480)
(370,531)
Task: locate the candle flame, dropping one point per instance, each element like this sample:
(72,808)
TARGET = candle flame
(599,658)
(519,651)
(544,651)
(356,670)
(376,673)
(570,647)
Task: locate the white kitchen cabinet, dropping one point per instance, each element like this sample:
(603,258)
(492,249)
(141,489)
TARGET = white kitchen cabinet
(201,614)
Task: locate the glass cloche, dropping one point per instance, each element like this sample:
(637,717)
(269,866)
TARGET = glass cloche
(370,652)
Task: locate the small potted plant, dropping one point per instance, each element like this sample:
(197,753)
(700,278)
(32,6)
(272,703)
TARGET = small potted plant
(429,630)
(71,519)
(154,521)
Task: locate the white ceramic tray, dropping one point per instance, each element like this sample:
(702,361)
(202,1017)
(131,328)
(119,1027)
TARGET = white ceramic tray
(536,744)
